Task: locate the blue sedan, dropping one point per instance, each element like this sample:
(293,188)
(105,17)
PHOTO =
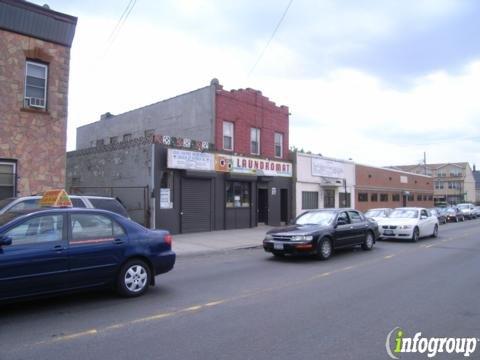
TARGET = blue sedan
(48,251)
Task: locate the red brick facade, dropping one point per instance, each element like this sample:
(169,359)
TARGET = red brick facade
(389,183)
(248,108)
(35,138)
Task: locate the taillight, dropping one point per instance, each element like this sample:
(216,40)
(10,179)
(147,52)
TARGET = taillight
(168,239)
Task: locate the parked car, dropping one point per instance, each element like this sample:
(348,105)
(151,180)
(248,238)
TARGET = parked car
(454,214)
(377,214)
(409,223)
(476,211)
(54,250)
(79,201)
(320,232)
(440,214)
(468,210)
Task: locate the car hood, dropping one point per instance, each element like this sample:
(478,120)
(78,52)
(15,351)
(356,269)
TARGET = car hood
(397,221)
(297,230)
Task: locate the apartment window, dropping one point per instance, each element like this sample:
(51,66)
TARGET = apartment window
(7,179)
(278,145)
(383,197)
(438,185)
(228,135)
(309,200)
(362,197)
(255,141)
(127,137)
(113,139)
(36,75)
(395,197)
(374,197)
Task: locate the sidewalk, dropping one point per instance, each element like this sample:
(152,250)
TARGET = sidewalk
(218,241)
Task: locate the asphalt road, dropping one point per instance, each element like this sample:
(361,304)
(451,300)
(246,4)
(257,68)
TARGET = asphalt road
(246,305)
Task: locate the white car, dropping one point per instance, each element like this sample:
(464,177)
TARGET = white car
(378,214)
(468,210)
(409,223)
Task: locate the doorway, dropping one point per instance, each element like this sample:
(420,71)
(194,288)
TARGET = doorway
(329,198)
(284,205)
(262,204)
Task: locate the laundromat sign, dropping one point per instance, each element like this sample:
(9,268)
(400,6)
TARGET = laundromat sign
(191,160)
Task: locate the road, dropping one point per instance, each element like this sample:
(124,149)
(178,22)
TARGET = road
(246,305)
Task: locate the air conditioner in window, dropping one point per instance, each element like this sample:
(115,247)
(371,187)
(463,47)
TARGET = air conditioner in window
(38,103)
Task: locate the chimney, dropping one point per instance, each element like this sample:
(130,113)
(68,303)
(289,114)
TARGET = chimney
(105,116)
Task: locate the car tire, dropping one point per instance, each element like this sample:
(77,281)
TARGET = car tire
(134,278)
(456,219)
(369,241)
(415,235)
(324,249)
(463,219)
(435,231)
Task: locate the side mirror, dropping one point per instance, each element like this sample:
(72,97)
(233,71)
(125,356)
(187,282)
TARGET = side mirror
(5,241)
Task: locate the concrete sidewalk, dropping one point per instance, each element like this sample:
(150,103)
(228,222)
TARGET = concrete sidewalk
(218,241)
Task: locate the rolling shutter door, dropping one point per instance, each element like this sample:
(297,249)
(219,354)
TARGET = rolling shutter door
(196,205)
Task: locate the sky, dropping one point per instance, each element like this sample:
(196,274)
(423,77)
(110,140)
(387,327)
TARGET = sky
(380,82)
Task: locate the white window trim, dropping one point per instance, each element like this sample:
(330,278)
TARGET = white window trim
(46,83)
(14,172)
(258,133)
(232,136)
(275,145)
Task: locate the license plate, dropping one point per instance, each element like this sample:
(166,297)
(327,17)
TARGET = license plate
(277,246)
(388,232)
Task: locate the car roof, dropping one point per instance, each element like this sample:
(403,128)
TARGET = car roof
(380,209)
(410,208)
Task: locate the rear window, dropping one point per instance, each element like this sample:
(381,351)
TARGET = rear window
(25,205)
(5,202)
(109,204)
(77,202)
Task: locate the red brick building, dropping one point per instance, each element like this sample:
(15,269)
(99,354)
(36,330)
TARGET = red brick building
(34,69)
(388,188)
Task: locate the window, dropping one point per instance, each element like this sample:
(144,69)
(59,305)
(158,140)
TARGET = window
(255,141)
(113,139)
(278,145)
(38,230)
(237,194)
(100,142)
(419,197)
(309,200)
(373,197)
(77,202)
(343,218)
(383,197)
(454,185)
(344,199)
(362,197)
(127,137)
(112,205)
(7,180)
(94,227)
(227,135)
(355,217)
(149,133)
(410,197)
(430,197)
(25,205)
(438,185)
(395,197)
(36,75)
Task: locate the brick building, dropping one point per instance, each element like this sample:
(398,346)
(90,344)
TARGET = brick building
(218,159)
(34,70)
(390,188)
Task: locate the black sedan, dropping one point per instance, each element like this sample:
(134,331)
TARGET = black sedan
(48,251)
(319,232)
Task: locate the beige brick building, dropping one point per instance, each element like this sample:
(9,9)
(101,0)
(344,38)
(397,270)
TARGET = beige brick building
(34,70)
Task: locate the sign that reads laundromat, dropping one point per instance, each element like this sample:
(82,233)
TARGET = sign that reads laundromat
(260,167)
(190,160)
(327,168)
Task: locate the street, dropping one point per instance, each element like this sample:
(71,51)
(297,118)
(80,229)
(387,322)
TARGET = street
(244,304)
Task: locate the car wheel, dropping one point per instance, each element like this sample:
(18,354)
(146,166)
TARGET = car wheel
(324,249)
(415,235)
(134,278)
(368,243)
(463,219)
(456,219)
(435,231)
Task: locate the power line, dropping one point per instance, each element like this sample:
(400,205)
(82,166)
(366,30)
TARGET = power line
(271,38)
(118,27)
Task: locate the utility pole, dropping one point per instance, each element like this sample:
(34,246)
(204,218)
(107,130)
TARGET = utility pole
(425,161)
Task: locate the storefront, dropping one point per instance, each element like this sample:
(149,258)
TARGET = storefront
(205,191)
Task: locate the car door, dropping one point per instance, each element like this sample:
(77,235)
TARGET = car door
(360,227)
(97,247)
(344,231)
(424,223)
(36,261)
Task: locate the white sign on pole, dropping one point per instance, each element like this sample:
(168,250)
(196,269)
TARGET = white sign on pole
(327,168)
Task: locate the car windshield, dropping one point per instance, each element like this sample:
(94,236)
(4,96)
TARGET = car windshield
(7,217)
(375,213)
(5,202)
(316,218)
(463,206)
(404,213)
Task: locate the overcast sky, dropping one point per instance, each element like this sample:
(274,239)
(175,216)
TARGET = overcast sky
(376,81)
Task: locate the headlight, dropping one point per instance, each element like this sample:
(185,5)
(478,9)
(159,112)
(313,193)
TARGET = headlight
(405,226)
(268,237)
(302,238)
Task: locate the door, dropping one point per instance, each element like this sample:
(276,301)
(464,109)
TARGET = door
(359,225)
(97,248)
(262,203)
(344,231)
(36,261)
(328,198)
(424,224)
(195,214)
(284,205)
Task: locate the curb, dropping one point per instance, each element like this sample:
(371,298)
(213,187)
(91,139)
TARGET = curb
(216,251)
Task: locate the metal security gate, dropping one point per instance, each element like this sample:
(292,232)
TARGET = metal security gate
(196,205)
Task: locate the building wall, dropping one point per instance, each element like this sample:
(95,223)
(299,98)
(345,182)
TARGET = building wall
(36,138)
(306,181)
(189,115)
(372,180)
(248,108)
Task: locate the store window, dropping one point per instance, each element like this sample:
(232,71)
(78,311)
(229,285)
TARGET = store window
(309,200)
(7,179)
(384,197)
(166,190)
(374,197)
(344,200)
(237,194)
(396,197)
(362,197)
